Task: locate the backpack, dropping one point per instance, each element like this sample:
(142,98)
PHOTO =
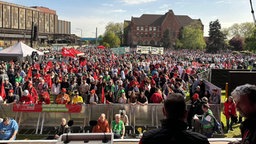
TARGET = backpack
(217,127)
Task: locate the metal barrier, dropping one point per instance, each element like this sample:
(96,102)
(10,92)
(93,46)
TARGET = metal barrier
(115,141)
(149,115)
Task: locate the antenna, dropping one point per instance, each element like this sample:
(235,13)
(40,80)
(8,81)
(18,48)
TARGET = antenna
(252,11)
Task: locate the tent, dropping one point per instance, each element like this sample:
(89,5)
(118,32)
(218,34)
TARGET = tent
(17,52)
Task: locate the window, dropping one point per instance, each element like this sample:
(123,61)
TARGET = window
(141,28)
(146,29)
(150,28)
(138,28)
(154,28)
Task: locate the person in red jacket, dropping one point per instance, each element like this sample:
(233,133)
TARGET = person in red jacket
(157,96)
(33,92)
(26,98)
(45,98)
(230,112)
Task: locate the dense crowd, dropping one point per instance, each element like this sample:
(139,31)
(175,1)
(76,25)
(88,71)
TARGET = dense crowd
(101,76)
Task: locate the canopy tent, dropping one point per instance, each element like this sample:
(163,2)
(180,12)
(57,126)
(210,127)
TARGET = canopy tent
(18,51)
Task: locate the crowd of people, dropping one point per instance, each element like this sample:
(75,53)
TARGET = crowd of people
(102,77)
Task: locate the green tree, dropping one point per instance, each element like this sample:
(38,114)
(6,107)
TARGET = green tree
(116,28)
(242,30)
(111,40)
(166,40)
(250,41)
(192,37)
(216,39)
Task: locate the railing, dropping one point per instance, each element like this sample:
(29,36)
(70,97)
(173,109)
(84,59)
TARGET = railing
(115,141)
(31,116)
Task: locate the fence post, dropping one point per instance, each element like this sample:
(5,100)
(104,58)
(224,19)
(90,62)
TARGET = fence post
(226,88)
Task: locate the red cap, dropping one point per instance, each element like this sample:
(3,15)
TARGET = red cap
(63,90)
(11,91)
(93,91)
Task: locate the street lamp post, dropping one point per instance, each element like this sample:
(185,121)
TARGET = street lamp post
(81,30)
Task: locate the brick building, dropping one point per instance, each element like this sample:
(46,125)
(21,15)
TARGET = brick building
(148,29)
(16,24)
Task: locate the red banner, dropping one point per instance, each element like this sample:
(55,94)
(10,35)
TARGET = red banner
(27,108)
(47,108)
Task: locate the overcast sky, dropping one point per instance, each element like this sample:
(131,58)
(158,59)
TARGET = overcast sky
(89,14)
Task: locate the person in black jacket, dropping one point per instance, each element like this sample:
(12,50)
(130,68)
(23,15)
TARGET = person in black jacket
(245,99)
(174,129)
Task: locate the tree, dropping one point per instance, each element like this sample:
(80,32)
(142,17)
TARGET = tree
(216,39)
(242,30)
(111,40)
(166,40)
(116,28)
(192,37)
(250,41)
(237,43)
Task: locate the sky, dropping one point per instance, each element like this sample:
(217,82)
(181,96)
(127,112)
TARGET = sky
(87,15)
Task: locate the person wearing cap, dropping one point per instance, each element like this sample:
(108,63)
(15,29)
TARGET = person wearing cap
(206,121)
(44,97)
(8,129)
(63,97)
(93,97)
(26,98)
(11,97)
(33,92)
(77,99)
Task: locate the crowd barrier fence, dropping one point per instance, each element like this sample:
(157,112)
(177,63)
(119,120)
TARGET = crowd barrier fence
(39,116)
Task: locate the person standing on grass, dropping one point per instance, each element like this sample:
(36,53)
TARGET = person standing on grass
(245,99)
(230,112)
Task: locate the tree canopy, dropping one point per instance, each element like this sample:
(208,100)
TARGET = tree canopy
(216,39)
(113,35)
(192,37)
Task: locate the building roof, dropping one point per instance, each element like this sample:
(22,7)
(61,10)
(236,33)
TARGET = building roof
(148,19)
(156,20)
(183,20)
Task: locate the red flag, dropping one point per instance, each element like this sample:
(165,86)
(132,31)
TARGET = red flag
(95,76)
(102,95)
(37,66)
(3,94)
(66,52)
(48,66)
(29,72)
(48,80)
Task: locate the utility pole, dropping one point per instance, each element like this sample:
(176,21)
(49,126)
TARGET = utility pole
(96,43)
(252,11)
(32,35)
(81,30)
